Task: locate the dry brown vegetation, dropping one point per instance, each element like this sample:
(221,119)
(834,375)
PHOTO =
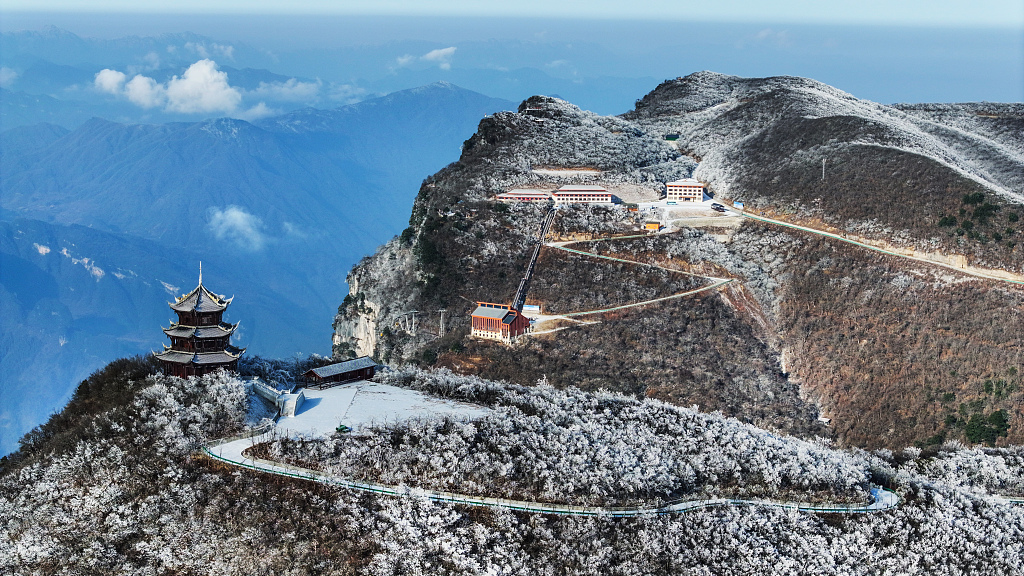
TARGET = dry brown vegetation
(897,352)
(878,191)
(695,350)
(557,285)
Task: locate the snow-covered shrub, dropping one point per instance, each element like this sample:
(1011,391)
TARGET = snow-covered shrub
(569,445)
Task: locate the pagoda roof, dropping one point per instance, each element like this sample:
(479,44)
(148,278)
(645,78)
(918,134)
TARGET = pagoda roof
(200,299)
(200,358)
(182,331)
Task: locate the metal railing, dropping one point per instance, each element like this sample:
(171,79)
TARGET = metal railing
(880,498)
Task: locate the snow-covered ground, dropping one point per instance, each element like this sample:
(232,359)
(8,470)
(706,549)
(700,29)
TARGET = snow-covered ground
(362,403)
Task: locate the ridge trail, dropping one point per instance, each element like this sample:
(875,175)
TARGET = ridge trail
(969,270)
(715,282)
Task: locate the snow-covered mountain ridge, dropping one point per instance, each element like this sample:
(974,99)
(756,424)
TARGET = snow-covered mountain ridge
(714,111)
(809,327)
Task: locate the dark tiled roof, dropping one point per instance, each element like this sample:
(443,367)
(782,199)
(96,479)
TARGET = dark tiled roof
(182,331)
(205,358)
(200,300)
(342,367)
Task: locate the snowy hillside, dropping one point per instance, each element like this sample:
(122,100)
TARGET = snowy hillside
(715,113)
(114,486)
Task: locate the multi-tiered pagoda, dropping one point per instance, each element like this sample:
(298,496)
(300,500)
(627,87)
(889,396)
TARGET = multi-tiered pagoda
(200,340)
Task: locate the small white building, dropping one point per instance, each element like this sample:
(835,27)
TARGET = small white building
(685,190)
(582,194)
(524,195)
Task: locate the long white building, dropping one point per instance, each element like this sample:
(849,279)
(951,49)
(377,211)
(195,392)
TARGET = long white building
(582,194)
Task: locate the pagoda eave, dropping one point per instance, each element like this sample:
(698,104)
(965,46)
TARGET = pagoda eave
(225,357)
(221,330)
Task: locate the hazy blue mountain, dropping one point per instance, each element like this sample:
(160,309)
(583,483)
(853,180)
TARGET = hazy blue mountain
(277,211)
(28,138)
(71,299)
(61,47)
(19,108)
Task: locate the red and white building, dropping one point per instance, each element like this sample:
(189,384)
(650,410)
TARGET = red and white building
(523,195)
(498,322)
(685,190)
(582,194)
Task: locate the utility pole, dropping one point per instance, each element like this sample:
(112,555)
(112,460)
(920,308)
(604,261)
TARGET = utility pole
(822,169)
(440,332)
(413,322)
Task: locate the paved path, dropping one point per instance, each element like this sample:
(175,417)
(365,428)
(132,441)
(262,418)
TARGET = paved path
(978,273)
(716,282)
(593,255)
(231,453)
(721,282)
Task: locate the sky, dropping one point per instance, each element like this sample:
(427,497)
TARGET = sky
(955,13)
(905,51)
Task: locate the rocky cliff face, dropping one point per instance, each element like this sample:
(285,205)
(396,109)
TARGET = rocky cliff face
(380,291)
(856,329)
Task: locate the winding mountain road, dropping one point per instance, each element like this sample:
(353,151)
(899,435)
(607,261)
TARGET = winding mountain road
(970,271)
(232,453)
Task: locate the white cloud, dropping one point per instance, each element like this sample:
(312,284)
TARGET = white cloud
(44,250)
(766,36)
(291,90)
(222,50)
(7,76)
(199,49)
(347,93)
(110,81)
(293,230)
(236,225)
(202,88)
(145,92)
(258,111)
(443,57)
(150,62)
(87,263)
(225,51)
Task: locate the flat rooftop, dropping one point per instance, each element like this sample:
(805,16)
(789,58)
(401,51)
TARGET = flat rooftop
(362,403)
(525,192)
(582,188)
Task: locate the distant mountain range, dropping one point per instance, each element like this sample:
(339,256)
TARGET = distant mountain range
(48,75)
(110,221)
